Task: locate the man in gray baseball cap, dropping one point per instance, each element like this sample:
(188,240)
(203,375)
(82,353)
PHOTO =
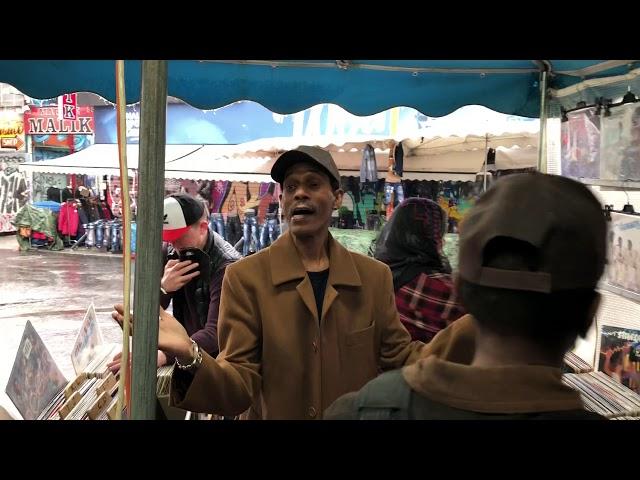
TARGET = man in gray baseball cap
(532,250)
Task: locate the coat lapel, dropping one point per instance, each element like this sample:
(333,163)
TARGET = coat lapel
(342,272)
(306,292)
(286,266)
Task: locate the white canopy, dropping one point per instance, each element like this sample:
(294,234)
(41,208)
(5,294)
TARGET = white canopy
(516,157)
(102,159)
(452,158)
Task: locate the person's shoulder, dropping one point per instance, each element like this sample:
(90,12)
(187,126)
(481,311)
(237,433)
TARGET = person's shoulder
(443,280)
(251,264)
(385,397)
(368,263)
(343,408)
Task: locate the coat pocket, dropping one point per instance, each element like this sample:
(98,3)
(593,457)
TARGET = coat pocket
(361,337)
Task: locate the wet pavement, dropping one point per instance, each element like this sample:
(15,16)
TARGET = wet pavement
(53,290)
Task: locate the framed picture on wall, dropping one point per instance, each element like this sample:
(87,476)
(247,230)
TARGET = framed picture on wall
(623,254)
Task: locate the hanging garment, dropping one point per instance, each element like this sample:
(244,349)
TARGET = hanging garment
(368,166)
(68,219)
(233,229)
(106,211)
(251,235)
(219,191)
(399,159)
(397,190)
(266,199)
(270,231)
(54,194)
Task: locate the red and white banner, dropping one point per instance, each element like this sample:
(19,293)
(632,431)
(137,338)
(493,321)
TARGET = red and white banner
(68,106)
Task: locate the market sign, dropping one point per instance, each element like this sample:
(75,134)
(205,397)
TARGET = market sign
(11,129)
(11,142)
(68,106)
(45,121)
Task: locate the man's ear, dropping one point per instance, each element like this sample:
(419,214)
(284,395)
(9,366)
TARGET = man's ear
(338,194)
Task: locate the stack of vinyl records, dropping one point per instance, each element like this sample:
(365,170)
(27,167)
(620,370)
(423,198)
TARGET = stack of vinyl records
(98,366)
(89,398)
(40,391)
(51,410)
(93,397)
(164,380)
(603,395)
(574,364)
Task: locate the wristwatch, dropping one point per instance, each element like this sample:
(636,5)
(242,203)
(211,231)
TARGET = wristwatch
(197,359)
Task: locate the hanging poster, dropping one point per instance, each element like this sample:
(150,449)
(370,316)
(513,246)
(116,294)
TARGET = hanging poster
(621,142)
(623,245)
(580,144)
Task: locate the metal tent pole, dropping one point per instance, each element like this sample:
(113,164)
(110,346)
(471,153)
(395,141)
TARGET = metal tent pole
(542,136)
(486,160)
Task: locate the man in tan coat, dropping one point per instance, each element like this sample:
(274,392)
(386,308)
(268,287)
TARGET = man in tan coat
(301,322)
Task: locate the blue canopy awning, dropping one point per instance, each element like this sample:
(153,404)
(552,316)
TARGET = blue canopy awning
(363,87)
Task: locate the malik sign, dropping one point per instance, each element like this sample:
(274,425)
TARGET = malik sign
(45,121)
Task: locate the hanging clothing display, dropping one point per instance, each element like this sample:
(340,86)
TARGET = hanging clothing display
(270,231)
(233,229)
(368,166)
(398,193)
(266,198)
(68,219)
(251,237)
(399,159)
(216,223)
(219,192)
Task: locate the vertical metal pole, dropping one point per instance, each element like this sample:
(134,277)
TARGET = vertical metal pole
(153,112)
(486,160)
(542,136)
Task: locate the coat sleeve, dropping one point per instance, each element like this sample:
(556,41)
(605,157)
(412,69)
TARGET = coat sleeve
(207,337)
(227,385)
(396,347)
(165,300)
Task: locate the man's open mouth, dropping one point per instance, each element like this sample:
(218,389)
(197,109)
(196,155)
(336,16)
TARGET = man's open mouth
(301,213)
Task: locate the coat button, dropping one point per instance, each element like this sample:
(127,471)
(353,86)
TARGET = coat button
(312,412)
(315,347)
